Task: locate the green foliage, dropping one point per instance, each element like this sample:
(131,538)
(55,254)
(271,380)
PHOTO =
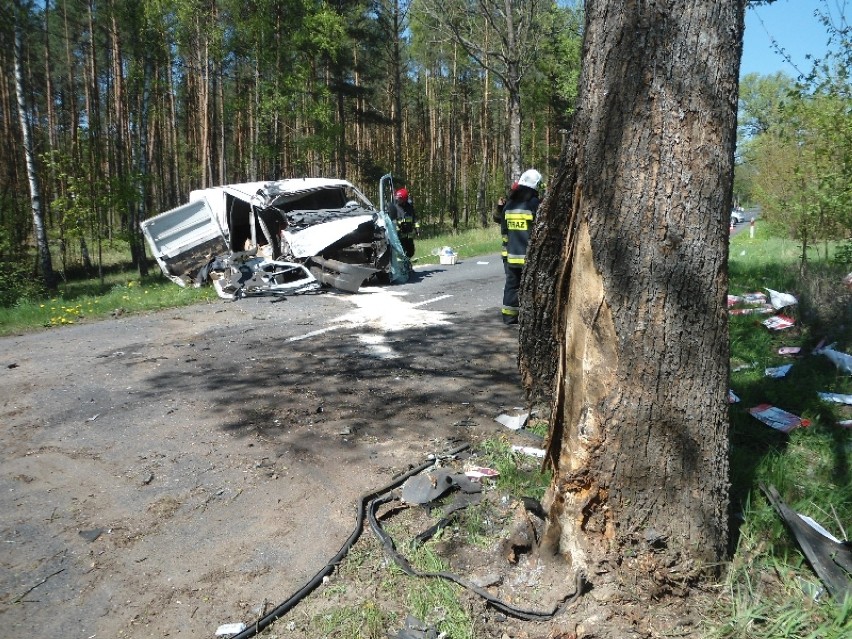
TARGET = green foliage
(17,285)
(795,147)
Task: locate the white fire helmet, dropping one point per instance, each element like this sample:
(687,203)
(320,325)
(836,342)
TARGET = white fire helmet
(530,178)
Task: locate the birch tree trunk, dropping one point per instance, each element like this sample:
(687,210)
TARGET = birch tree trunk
(633,240)
(48,276)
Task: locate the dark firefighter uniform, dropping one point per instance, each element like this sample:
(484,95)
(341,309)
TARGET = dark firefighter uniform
(402,212)
(518,216)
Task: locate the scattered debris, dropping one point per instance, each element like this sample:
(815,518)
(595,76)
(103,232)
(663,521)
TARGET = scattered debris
(513,422)
(843,361)
(478,472)
(732,397)
(830,558)
(415,629)
(837,398)
(529,450)
(748,304)
(779,322)
(448,256)
(20,598)
(93,417)
(425,488)
(777,372)
(790,351)
(230,629)
(91,535)
(781,300)
(12,365)
(845,423)
(777,418)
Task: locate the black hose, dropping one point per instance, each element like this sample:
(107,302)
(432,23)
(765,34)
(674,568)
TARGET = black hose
(287,605)
(402,562)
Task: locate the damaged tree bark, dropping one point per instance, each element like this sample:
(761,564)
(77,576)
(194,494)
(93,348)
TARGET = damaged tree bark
(623,319)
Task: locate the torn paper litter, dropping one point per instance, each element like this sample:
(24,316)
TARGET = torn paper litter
(778,418)
(513,422)
(843,361)
(779,322)
(529,450)
(777,372)
(781,300)
(837,398)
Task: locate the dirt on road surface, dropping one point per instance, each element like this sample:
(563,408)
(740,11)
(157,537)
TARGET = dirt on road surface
(166,473)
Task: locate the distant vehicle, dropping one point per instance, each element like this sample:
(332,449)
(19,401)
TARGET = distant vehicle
(737,217)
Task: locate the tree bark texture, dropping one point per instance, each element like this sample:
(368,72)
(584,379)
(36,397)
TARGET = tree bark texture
(623,316)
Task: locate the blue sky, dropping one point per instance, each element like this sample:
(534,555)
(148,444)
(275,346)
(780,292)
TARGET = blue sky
(793,25)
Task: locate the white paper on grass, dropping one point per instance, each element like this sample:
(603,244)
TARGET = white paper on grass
(529,450)
(781,300)
(513,422)
(778,372)
(837,398)
(843,361)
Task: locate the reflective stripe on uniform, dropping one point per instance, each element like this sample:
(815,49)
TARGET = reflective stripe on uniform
(512,311)
(518,220)
(516,259)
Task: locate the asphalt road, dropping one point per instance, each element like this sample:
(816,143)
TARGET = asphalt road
(166,473)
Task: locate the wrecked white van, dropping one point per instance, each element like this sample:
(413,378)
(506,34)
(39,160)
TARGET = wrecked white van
(281,237)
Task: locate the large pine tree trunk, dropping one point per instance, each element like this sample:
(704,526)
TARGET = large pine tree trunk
(633,240)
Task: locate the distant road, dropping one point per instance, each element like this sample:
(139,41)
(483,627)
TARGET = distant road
(749,214)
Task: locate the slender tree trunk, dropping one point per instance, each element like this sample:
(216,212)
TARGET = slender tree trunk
(633,238)
(48,276)
(396,18)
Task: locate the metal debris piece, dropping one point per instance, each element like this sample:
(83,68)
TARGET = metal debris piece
(830,558)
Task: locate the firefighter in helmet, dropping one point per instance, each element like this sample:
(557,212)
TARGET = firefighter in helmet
(402,213)
(518,215)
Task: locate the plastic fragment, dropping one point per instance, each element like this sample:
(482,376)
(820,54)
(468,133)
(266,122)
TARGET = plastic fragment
(843,361)
(529,450)
(513,422)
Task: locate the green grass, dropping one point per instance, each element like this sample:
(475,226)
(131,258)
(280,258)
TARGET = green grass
(77,302)
(467,243)
(768,590)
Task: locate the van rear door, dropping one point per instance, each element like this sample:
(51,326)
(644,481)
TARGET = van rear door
(185,240)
